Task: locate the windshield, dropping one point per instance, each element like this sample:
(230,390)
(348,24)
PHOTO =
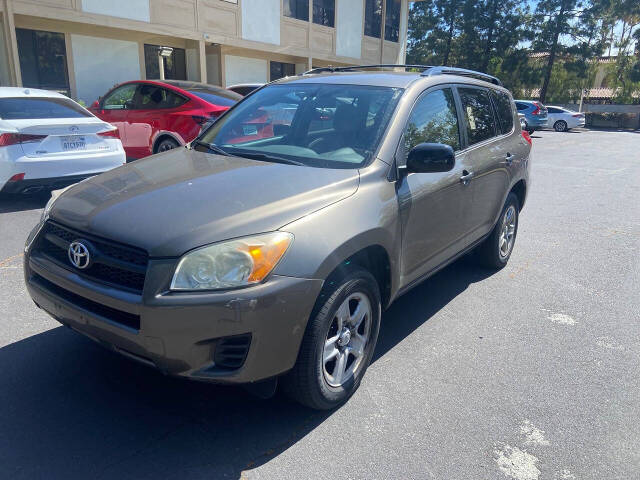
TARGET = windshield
(330,126)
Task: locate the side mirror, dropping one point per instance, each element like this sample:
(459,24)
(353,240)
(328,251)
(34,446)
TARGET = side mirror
(95,105)
(430,157)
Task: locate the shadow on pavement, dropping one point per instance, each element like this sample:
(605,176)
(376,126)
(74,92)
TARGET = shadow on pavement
(74,410)
(20,203)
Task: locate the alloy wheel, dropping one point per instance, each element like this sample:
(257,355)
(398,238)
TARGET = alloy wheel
(347,340)
(507,232)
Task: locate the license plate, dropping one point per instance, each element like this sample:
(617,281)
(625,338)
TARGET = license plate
(74,142)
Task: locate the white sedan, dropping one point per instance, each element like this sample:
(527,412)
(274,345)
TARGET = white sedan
(48,141)
(562,119)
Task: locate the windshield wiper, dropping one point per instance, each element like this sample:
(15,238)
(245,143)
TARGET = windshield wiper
(269,158)
(213,147)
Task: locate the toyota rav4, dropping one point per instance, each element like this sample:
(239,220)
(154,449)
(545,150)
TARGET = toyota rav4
(258,254)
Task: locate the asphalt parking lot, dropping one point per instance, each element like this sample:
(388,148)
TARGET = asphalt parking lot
(529,373)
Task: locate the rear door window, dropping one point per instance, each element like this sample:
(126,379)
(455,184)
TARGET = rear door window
(478,114)
(433,120)
(504,111)
(521,106)
(153,97)
(26,108)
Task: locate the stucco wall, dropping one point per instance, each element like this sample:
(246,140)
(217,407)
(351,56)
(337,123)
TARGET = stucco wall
(245,70)
(100,63)
(261,20)
(131,9)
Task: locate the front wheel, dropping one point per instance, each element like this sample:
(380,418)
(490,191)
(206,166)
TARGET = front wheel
(496,250)
(338,344)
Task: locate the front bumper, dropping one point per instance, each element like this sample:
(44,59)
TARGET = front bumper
(179,333)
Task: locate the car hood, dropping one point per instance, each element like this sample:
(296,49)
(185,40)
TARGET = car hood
(182,199)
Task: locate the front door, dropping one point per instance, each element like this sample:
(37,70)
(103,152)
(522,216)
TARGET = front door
(115,108)
(433,206)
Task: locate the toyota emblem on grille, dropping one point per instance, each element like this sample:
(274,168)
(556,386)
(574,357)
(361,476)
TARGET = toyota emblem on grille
(79,255)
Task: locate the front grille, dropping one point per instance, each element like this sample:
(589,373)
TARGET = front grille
(231,352)
(117,316)
(112,263)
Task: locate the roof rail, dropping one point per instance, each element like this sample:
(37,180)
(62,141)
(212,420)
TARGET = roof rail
(332,69)
(427,71)
(462,72)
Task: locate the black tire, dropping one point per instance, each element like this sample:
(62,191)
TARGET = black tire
(560,126)
(307,383)
(488,253)
(166,144)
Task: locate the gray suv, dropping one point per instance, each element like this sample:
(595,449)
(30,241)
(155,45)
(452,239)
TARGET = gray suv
(267,249)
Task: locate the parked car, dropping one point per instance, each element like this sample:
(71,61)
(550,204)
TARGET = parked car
(247,261)
(562,119)
(48,141)
(154,116)
(535,114)
(245,89)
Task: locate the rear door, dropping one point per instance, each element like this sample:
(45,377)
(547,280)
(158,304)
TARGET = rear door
(155,109)
(433,206)
(489,148)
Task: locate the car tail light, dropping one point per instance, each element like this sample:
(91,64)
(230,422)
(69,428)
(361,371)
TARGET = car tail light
(527,137)
(537,109)
(578,115)
(115,133)
(17,177)
(7,139)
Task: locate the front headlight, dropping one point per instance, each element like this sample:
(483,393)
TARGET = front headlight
(235,263)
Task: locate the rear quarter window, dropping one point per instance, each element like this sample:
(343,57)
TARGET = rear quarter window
(24,108)
(221,99)
(504,111)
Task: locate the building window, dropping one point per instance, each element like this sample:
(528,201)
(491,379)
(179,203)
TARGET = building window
(324,12)
(175,66)
(373,18)
(43,60)
(279,70)
(297,9)
(392,21)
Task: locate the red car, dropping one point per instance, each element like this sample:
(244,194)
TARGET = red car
(154,116)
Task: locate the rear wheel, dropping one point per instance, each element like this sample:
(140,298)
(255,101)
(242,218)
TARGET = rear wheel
(496,250)
(166,144)
(338,344)
(560,126)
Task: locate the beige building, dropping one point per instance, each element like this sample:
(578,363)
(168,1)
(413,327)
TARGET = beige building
(84,47)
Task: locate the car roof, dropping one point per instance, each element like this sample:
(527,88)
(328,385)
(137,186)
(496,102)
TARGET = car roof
(247,85)
(12,92)
(394,79)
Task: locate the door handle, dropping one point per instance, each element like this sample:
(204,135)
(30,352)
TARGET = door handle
(508,159)
(466,177)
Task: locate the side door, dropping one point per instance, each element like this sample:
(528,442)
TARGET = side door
(433,206)
(489,151)
(115,108)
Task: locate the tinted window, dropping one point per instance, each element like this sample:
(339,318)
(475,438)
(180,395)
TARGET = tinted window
(120,98)
(504,112)
(373,18)
(26,108)
(392,21)
(243,90)
(554,110)
(151,97)
(521,106)
(433,120)
(43,59)
(215,98)
(321,125)
(175,66)
(296,9)
(280,70)
(324,12)
(478,114)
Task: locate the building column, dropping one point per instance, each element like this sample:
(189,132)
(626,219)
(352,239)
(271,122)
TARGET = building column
(12,43)
(202,61)
(404,30)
